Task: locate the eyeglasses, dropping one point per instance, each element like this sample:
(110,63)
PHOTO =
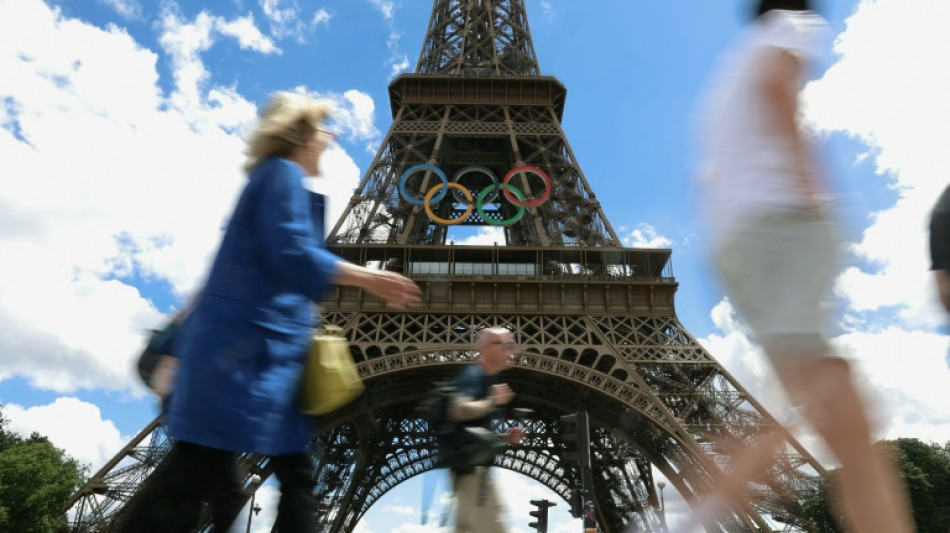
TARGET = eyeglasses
(323,138)
(508,345)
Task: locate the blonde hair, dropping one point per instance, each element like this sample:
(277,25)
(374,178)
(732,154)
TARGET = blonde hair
(288,121)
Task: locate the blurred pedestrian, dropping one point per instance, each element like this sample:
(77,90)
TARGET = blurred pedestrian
(242,348)
(478,508)
(775,248)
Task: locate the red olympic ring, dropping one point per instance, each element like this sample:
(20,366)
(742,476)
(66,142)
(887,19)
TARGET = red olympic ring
(529,170)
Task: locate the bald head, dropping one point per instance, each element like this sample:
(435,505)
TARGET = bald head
(494,346)
(489,335)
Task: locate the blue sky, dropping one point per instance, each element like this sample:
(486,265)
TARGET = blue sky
(120,151)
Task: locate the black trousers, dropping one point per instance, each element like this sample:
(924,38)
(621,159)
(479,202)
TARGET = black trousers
(191,475)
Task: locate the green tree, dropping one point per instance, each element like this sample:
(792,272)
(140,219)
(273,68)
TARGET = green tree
(820,509)
(36,478)
(926,469)
(926,472)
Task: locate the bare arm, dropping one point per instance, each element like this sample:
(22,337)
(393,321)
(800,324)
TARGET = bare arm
(779,89)
(468,408)
(397,291)
(943,287)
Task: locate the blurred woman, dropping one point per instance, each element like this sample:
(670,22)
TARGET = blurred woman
(775,250)
(242,348)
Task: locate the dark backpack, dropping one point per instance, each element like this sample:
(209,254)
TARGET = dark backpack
(459,447)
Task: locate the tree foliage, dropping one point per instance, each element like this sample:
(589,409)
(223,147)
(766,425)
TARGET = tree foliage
(36,478)
(926,472)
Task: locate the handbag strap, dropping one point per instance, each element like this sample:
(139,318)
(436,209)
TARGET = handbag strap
(329,330)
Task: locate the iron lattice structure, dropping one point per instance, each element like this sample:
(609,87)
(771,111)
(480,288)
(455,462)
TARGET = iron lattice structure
(596,322)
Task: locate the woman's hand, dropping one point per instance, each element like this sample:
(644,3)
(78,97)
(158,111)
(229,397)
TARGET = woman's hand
(396,291)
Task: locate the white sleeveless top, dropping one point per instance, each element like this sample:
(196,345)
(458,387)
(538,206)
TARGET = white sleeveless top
(745,166)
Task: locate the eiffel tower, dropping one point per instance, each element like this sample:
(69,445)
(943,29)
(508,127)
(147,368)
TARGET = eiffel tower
(595,321)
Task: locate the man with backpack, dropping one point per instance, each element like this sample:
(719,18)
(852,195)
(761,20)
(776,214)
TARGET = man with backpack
(474,409)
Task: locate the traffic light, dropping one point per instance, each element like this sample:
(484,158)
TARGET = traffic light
(576,502)
(577,438)
(541,515)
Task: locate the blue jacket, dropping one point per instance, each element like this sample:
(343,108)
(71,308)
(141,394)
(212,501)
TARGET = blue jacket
(242,347)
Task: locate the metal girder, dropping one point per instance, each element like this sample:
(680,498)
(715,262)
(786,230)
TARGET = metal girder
(480,38)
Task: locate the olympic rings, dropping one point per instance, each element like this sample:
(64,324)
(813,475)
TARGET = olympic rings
(488,195)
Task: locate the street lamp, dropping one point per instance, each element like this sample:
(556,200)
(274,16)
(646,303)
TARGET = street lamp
(662,485)
(254,509)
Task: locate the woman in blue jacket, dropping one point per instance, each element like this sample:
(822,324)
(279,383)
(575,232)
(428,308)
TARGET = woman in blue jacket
(243,346)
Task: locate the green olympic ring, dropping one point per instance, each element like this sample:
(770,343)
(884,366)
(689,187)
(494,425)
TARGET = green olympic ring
(508,221)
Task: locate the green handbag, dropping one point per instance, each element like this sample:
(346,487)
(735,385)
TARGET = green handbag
(330,379)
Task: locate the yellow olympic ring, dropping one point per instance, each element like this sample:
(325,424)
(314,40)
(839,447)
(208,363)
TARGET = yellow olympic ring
(448,221)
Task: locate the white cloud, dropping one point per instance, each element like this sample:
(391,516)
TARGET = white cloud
(487,235)
(275,13)
(285,19)
(547,10)
(905,376)
(891,94)
(321,17)
(386,7)
(248,35)
(354,114)
(75,426)
(399,65)
(902,373)
(104,177)
(392,42)
(129,9)
(645,236)
(406,510)
(185,41)
(398,62)
(411,527)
